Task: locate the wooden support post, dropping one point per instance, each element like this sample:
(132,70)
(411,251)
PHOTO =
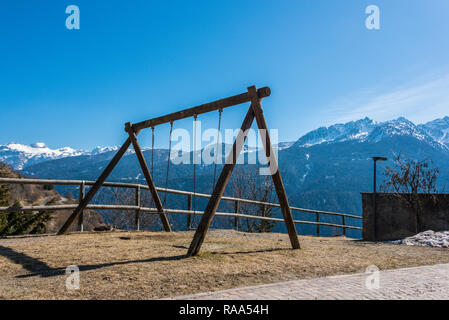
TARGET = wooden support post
(220,187)
(189,207)
(81,215)
(343,222)
(276,176)
(237,210)
(317,224)
(146,173)
(137,212)
(92,191)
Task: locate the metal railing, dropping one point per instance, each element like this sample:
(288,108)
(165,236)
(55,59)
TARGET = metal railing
(138,208)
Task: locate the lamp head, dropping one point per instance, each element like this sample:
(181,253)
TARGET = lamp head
(380,159)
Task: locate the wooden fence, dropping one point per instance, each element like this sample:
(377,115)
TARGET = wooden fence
(139,209)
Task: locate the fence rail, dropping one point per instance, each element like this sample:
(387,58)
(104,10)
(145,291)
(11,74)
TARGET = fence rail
(138,208)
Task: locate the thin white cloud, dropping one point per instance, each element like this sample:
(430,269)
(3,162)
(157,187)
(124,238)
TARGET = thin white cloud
(419,102)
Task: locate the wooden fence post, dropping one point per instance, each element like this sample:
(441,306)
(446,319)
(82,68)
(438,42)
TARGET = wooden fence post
(344,225)
(137,212)
(189,207)
(236,210)
(317,224)
(81,215)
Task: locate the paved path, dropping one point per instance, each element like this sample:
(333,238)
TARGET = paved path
(427,282)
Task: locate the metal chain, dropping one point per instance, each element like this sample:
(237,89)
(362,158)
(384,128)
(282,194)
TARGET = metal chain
(152,151)
(168,162)
(152,159)
(220,111)
(194,169)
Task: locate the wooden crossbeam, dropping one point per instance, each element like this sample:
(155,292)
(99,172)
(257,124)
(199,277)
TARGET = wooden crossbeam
(204,108)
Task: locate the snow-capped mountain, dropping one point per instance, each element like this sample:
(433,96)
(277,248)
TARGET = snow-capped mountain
(19,155)
(435,133)
(99,150)
(438,129)
(354,130)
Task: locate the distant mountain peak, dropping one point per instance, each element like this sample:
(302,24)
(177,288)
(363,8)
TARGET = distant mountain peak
(438,129)
(98,149)
(38,145)
(353,130)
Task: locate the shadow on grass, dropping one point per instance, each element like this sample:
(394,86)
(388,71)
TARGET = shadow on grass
(253,251)
(38,268)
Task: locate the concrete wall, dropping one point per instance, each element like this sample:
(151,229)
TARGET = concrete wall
(395,220)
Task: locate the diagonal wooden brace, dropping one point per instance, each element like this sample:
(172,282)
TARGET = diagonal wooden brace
(255,111)
(147,175)
(92,191)
(275,174)
(220,187)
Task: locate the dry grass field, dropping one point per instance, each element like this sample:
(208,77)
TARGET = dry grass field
(151,265)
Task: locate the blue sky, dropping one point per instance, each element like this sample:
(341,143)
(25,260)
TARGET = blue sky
(134,60)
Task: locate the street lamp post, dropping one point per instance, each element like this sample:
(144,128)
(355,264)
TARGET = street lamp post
(375,159)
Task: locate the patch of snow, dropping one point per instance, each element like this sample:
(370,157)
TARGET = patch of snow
(38,145)
(306,173)
(358,136)
(98,150)
(284,145)
(427,239)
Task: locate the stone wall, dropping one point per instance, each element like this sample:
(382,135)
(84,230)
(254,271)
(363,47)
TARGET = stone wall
(396,220)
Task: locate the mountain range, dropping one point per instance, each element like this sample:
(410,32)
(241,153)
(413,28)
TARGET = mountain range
(19,156)
(325,169)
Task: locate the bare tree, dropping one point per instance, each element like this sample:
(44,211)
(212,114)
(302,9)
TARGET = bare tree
(125,219)
(248,184)
(148,221)
(409,178)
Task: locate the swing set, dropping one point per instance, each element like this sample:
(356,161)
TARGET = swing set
(254,96)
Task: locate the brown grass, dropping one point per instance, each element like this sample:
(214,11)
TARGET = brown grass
(150,265)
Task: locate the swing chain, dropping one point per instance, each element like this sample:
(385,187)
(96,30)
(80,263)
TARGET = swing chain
(152,151)
(220,111)
(168,162)
(195,117)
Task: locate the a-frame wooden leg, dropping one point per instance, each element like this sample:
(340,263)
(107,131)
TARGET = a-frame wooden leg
(92,191)
(147,175)
(277,180)
(220,187)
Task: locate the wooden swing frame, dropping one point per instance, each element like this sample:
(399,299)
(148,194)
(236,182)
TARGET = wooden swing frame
(254,96)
